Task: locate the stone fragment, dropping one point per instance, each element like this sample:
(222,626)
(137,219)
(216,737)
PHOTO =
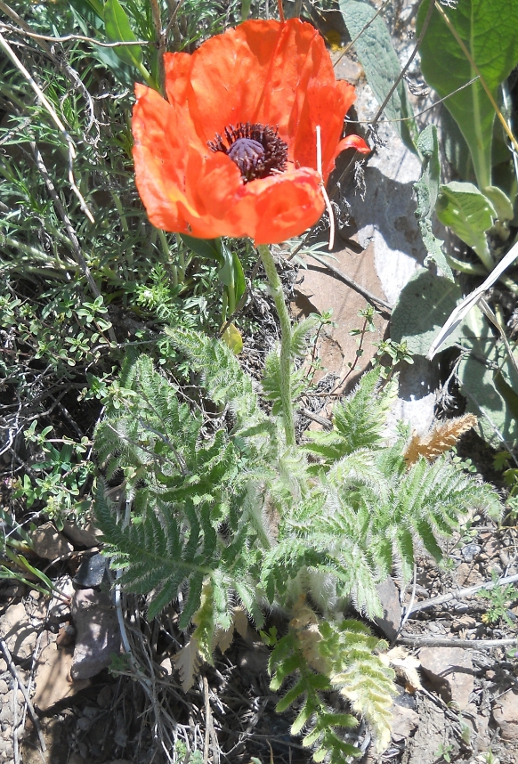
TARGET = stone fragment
(98,634)
(505,714)
(49,544)
(438,665)
(404,722)
(389,597)
(463,623)
(87,536)
(466,575)
(52,677)
(18,633)
(478,721)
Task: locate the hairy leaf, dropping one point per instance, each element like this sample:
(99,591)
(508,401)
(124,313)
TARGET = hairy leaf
(488,31)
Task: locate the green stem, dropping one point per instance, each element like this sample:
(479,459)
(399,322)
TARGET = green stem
(473,269)
(284,318)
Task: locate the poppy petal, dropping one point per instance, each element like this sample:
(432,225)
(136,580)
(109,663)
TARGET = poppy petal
(262,72)
(353,142)
(279,207)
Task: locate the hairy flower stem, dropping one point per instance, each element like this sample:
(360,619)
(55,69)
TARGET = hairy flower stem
(284,318)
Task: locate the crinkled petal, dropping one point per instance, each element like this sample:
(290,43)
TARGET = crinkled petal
(276,208)
(263,71)
(162,158)
(229,73)
(353,142)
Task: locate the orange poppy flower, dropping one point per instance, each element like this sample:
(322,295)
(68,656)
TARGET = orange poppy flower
(232,151)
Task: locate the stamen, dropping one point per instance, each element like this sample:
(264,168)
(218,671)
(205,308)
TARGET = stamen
(255,148)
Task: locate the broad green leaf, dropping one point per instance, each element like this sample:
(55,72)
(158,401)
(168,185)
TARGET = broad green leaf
(207,248)
(89,14)
(118,29)
(488,29)
(427,189)
(501,202)
(423,306)
(86,6)
(469,214)
(381,64)
(456,150)
(489,382)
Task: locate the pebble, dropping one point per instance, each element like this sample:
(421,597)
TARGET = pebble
(49,544)
(20,637)
(505,714)
(470,551)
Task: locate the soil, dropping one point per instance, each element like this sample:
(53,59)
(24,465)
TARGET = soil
(231,711)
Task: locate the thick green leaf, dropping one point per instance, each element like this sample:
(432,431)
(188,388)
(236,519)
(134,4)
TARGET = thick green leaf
(423,306)
(87,6)
(501,202)
(469,213)
(455,148)
(118,29)
(489,381)
(381,64)
(207,248)
(427,189)
(488,29)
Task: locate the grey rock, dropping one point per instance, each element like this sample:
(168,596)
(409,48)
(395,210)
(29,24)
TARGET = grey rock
(87,536)
(98,634)
(470,551)
(389,597)
(18,633)
(404,722)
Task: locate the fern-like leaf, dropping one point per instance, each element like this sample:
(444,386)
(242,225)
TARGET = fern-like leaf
(325,655)
(358,422)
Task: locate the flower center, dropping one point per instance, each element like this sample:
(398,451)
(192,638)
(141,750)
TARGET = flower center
(256,149)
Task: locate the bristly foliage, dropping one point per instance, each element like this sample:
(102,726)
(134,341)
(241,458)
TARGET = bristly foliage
(358,422)
(331,655)
(224,512)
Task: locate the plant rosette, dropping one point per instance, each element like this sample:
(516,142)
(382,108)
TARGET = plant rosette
(232,150)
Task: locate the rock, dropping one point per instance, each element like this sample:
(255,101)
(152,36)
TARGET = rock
(49,544)
(466,575)
(479,724)
(389,597)
(438,663)
(432,733)
(98,634)
(470,551)
(87,536)
(76,758)
(505,714)
(52,677)
(416,399)
(322,290)
(464,623)
(404,722)
(92,571)
(18,633)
